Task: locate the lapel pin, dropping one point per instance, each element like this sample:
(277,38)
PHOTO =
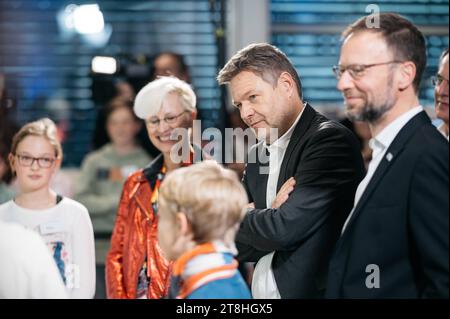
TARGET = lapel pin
(389,157)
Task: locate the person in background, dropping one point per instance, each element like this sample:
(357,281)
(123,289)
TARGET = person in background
(440,82)
(8,129)
(6,191)
(64,224)
(170,64)
(201,207)
(103,173)
(27,268)
(120,89)
(135,264)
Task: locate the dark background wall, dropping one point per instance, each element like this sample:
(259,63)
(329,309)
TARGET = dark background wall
(47,73)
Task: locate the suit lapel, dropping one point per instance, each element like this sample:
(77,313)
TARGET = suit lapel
(389,158)
(299,132)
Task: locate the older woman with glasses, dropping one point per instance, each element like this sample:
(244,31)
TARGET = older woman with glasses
(135,265)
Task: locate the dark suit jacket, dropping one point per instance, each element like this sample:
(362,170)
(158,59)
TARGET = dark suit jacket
(324,158)
(400,223)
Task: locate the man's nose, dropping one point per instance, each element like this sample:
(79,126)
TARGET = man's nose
(442,89)
(345,82)
(163,126)
(247,112)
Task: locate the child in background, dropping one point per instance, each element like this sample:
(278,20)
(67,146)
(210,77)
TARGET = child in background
(64,224)
(201,207)
(103,173)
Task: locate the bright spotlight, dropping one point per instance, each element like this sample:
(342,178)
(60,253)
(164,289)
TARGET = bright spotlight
(88,19)
(104,64)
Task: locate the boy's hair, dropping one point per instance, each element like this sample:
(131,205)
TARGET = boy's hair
(211,197)
(43,127)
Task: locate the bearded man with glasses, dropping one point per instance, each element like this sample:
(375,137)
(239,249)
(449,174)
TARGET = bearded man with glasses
(395,242)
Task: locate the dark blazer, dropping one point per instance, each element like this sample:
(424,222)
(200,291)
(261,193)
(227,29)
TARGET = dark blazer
(324,158)
(400,224)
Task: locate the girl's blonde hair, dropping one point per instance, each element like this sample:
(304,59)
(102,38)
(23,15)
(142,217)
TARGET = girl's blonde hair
(43,127)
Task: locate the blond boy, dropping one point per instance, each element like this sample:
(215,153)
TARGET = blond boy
(201,207)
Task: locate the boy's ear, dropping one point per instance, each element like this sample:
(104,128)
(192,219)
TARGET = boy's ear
(183,224)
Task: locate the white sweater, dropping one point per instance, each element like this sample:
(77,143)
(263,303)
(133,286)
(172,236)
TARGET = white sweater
(22,277)
(67,230)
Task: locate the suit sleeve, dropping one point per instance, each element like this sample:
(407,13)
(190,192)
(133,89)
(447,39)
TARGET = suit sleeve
(429,219)
(115,288)
(327,174)
(247,252)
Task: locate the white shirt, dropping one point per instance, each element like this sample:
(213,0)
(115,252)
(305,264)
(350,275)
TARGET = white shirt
(27,270)
(442,130)
(67,230)
(263,283)
(379,145)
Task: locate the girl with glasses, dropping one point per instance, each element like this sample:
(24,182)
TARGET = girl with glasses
(63,224)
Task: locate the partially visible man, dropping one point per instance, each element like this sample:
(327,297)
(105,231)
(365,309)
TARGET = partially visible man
(395,243)
(301,199)
(440,82)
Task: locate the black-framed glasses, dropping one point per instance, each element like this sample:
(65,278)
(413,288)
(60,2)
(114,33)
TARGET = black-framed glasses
(438,79)
(43,162)
(356,71)
(172,119)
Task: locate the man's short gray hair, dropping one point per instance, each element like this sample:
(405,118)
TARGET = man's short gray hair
(264,60)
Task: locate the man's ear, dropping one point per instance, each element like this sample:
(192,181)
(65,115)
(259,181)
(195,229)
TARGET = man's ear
(287,83)
(407,74)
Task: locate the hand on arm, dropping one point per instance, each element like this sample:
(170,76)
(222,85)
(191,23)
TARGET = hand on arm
(284,192)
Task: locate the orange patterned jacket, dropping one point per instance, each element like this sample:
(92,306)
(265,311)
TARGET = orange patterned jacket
(134,237)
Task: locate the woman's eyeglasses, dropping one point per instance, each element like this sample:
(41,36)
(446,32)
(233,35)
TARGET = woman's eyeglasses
(172,119)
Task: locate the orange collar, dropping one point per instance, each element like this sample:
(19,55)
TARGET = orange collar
(188,285)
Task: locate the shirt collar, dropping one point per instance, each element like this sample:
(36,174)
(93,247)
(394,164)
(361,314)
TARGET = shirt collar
(388,134)
(282,142)
(441,129)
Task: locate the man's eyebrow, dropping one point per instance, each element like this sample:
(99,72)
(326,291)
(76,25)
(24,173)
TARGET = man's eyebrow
(243,95)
